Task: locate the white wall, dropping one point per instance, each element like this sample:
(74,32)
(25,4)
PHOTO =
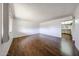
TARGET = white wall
(53,27)
(76,28)
(22,28)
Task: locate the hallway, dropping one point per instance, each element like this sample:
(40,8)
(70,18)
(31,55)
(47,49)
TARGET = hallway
(68,45)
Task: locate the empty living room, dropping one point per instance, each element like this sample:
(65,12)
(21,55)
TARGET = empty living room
(39,29)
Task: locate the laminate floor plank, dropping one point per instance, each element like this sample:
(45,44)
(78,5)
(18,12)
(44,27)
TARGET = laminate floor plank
(36,45)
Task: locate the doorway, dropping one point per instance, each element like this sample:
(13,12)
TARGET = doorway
(66,28)
(66,34)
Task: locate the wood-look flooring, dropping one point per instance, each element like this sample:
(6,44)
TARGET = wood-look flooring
(69,45)
(36,45)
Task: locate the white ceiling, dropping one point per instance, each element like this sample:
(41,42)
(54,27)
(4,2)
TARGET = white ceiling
(40,12)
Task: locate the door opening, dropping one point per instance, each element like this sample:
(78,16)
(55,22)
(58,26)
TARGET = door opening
(66,42)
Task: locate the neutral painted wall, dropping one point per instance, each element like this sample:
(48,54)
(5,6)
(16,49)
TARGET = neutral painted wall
(76,28)
(22,28)
(53,27)
(0,22)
